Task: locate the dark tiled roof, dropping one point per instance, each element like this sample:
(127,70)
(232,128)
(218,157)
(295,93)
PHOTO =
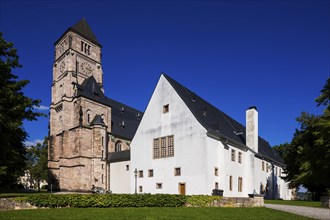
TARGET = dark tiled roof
(125,119)
(82,28)
(119,156)
(218,123)
(98,120)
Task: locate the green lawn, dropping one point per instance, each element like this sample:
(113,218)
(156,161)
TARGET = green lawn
(293,202)
(149,213)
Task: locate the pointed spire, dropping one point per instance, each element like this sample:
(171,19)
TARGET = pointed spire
(83,28)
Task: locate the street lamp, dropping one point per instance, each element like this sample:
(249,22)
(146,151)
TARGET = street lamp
(135,173)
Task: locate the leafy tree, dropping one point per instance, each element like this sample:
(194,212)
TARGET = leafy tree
(37,158)
(14,108)
(307,156)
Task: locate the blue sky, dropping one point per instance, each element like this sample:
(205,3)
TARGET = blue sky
(235,54)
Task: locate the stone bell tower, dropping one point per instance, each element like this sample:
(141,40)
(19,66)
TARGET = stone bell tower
(74,155)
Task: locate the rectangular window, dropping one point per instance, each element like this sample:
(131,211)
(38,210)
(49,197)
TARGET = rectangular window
(230,183)
(102,141)
(102,166)
(163,147)
(216,185)
(239,157)
(102,177)
(267,167)
(127,167)
(276,171)
(82,46)
(150,173)
(170,145)
(102,154)
(177,171)
(263,166)
(216,171)
(156,148)
(232,155)
(166,108)
(159,185)
(140,173)
(240,184)
(140,189)
(280,172)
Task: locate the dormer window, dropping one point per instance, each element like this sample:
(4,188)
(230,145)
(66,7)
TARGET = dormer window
(165,108)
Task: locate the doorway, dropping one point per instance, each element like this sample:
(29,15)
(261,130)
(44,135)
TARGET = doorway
(182,188)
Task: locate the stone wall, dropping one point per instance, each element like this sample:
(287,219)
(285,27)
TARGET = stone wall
(239,202)
(10,204)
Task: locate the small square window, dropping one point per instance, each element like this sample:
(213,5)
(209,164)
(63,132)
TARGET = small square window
(140,173)
(177,171)
(166,108)
(150,173)
(159,185)
(216,171)
(140,189)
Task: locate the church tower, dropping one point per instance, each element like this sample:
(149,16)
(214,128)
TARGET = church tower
(78,126)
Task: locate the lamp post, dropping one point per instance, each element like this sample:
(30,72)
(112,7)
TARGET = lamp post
(135,173)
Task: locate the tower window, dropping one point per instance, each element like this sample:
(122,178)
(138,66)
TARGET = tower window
(86,48)
(118,146)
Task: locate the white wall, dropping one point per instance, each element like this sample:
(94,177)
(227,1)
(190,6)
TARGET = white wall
(120,177)
(189,145)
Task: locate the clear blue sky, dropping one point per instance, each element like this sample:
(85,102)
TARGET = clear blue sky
(234,54)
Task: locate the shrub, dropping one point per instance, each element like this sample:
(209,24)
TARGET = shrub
(104,200)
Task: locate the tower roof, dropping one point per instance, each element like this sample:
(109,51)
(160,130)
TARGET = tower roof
(82,28)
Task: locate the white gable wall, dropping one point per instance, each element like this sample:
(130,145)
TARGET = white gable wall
(189,145)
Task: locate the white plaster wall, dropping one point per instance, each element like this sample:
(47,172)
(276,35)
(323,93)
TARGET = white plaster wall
(120,177)
(189,146)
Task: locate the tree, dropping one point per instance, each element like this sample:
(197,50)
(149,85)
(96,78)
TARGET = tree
(37,158)
(14,108)
(307,156)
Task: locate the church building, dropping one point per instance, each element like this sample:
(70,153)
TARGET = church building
(89,132)
(181,144)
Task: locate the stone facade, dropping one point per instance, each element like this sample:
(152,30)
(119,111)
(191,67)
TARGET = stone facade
(81,119)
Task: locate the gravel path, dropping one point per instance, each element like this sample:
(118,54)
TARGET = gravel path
(317,213)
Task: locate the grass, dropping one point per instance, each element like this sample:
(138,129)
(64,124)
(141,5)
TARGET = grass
(294,202)
(149,213)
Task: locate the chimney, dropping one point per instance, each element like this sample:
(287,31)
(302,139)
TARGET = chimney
(252,136)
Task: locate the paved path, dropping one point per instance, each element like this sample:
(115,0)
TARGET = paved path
(317,213)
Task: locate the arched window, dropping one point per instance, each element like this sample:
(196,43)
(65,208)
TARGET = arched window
(88,114)
(118,146)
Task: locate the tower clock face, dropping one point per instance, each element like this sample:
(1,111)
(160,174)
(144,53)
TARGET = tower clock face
(62,67)
(86,68)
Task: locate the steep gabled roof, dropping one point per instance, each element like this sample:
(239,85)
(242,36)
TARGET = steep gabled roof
(124,119)
(83,29)
(219,123)
(98,120)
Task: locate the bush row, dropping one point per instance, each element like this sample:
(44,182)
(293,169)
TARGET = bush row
(118,200)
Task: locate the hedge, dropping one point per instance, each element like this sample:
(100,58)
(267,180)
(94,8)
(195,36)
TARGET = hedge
(118,200)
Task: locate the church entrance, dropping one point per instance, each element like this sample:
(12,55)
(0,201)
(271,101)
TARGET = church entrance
(182,188)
